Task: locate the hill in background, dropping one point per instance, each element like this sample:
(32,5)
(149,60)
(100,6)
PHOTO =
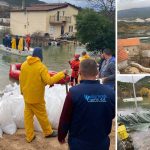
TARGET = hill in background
(134,13)
(19,2)
(6,5)
(144,82)
(125,89)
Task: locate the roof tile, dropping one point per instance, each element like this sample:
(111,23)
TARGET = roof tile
(45,7)
(129,42)
(122,54)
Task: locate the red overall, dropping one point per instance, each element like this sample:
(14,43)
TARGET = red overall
(75,70)
(28,42)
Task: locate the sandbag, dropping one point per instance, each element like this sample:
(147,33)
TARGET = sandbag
(54,103)
(9,128)
(6,121)
(12,108)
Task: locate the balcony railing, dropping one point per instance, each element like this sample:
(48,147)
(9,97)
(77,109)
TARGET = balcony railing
(60,19)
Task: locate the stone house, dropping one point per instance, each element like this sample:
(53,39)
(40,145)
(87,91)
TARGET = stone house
(122,59)
(132,46)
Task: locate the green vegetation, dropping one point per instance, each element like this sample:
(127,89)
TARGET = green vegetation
(125,89)
(95,30)
(144,82)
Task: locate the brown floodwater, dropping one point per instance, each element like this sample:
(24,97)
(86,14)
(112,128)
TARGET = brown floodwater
(55,58)
(141,133)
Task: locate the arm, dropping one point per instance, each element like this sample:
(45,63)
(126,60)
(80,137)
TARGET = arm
(65,119)
(20,79)
(69,62)
(111,67)
(51,80)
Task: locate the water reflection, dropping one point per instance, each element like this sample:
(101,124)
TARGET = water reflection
(145,104)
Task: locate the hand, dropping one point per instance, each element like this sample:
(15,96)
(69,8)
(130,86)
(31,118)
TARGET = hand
(65,72)
(62,142)
(51,86)
(103,80)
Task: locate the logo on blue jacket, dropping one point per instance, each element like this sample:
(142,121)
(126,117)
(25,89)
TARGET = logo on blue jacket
(95,98)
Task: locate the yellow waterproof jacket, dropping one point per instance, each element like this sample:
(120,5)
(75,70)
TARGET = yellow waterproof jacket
(13,43)
(20,45)
(33,78)
(84,57)
(122,132)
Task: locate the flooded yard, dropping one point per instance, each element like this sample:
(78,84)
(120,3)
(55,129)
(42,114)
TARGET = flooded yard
(140,132)
(55,58)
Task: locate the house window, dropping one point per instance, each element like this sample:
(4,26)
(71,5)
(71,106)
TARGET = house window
(63,13)
(58,15)
(52,30)
(70,28)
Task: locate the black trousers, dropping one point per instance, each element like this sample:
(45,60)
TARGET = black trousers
(76,80)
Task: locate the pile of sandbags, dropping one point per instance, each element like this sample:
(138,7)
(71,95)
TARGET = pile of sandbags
(12,108)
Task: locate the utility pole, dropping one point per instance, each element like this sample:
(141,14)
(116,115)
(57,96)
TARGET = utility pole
(23,4)
(135,99)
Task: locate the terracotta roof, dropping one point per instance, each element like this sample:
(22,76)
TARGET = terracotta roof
(45,7)
(122,54)
(129,42)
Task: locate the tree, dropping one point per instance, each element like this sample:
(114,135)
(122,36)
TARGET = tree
(105,6)
(95,30)
(144,92)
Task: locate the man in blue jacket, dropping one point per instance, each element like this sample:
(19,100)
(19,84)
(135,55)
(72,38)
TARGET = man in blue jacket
(107,69)
(88,112)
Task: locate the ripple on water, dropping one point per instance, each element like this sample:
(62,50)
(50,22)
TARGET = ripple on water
(55,57)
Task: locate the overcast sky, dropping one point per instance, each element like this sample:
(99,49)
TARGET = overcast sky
(81,3)
(128,78)
(127,4)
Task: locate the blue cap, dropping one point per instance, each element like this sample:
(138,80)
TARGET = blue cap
(38,53)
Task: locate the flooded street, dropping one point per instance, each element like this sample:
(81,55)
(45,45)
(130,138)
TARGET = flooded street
(55,58)
(141,139)
(140,132)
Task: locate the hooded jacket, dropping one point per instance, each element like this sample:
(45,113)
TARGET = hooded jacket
(84,57)
(13,43)
(21,44)
(75,68)
(33,78)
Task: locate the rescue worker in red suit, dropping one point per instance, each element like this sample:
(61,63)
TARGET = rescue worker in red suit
(75,69)
(28,42)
